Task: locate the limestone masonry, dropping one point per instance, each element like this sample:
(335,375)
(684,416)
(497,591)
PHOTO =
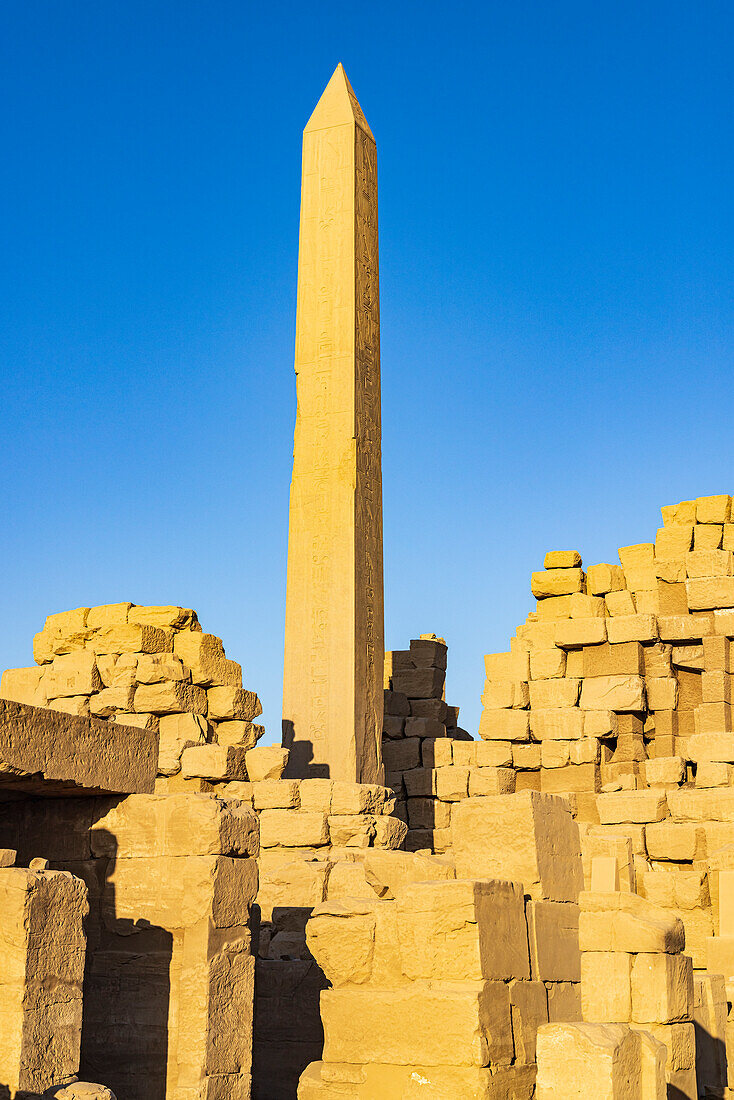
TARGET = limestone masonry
(543,913)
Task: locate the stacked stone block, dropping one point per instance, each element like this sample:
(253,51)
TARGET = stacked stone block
(621,677)
(531,838)
(169,979)
(43,949)
(151,667)
(606,1061)
(431,988)
(633,972)
(430,763)
(317,838)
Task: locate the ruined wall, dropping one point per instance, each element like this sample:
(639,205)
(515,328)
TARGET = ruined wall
(143,666)
(621,676)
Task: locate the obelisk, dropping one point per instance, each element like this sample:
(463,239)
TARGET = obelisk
(334,644)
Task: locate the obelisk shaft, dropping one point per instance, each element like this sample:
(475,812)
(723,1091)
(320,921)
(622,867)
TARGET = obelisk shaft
(333,682)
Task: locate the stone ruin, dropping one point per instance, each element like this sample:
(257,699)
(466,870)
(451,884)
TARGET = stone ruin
(383,906)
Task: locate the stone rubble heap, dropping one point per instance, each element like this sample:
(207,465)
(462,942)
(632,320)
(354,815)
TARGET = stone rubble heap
(622,676)
(151,667)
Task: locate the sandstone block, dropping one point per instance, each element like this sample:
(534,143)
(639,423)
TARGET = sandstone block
(668,840)
(171,697)
(673,542)
(439,1025)
(504,725)
(626,922)
(632,628)
(556,582)
(529,1011)
(293,829)
(41,928)
(504,694)
(709,563)
(606,986)
(419,683)
(662,692)
(232,702)
(553,935)
(528,837)
(21,685)
(129,639)
(46,752)
(156,668)
(551,694)
(620,603)
(684,628)
(508,666)
(577,633)
(715,509)
(557,724)
(486,781)
(72,674)
(710,592)
(578,1061)
(662,988)
(601,579)
(685,513)
(631,806)
(462,931)
(266,762)
(619,693)
(562,559)
(547,664)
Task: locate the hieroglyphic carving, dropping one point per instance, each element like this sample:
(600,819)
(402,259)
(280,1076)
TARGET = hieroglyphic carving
(332,697)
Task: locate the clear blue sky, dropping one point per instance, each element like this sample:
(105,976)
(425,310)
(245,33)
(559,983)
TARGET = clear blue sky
(557,308)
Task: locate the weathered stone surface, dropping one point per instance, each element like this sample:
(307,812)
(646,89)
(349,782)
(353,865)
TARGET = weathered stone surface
(47,752)
(462,930)
(626,922)
(332,694)
(42,935)
(528,837)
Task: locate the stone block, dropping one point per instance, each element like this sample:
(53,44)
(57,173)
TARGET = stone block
(577,633)
(556,582)
(293,829)
(679,629)
(266,762)
(559,724)
(546,664)
(436,1025)
(551,694)
(620,603)
(47,752)
(462,931)
(505,694)
(662,988)
(626,922)
(579,1061)
(553,935)
(665,771)
(706,593)
(662,692)
(419,683)
(632,628)
(619,693)
(671,841)
(231,702)
(42,933)
(606,986)
(604,578)
(683,513)
(636,807)
(528,837)
(218,762)
(673,542)
(504,725)
(708,536)
(175,825)
(715,509)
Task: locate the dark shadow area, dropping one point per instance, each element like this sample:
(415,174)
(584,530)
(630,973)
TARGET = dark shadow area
(288,1034)
(300,762)
(127,980)
(711,1064)
(127,992)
